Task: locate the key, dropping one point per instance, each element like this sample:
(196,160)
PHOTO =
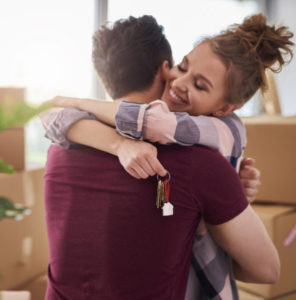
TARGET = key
(163,196)
(159,193)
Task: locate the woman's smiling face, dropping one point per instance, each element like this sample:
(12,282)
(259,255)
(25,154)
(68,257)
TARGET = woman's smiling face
(197,84)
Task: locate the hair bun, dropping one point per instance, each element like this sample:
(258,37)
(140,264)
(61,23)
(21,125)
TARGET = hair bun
(267,43)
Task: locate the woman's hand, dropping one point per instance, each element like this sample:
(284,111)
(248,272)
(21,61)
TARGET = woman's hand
(139,159)
(250,178)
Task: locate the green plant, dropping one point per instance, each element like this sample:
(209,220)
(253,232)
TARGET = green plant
(20,114)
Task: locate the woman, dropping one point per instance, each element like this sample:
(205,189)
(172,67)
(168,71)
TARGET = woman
(198,87)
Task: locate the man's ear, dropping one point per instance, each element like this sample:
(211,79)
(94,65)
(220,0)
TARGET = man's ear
(225,110)
(164,70)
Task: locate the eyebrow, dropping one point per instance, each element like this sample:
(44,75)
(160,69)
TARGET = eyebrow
(199,75)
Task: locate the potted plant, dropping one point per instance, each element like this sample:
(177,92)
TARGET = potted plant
(20,114)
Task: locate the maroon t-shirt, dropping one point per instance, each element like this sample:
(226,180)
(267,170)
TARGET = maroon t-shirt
(107,238)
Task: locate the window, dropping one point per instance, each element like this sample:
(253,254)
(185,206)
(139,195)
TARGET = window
(46,47)
(186,21)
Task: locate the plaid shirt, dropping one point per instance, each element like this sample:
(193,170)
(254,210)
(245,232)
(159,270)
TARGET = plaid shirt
(210,275)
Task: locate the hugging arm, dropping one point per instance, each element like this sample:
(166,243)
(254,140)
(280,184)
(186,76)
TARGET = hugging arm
(70,126)
(146,121)
(103,110)
(156,123)
(105,138)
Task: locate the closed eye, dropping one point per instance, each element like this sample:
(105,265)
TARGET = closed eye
(200,87)
(181,69)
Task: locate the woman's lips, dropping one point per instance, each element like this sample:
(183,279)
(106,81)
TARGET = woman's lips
(172,97)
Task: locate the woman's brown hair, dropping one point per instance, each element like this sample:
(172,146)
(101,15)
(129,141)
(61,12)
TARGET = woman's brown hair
(247,50)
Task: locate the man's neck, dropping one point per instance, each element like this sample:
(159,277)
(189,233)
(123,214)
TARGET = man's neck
(139,97)
(145,96)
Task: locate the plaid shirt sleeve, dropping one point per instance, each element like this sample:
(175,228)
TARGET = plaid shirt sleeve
(156,123)
(61,121)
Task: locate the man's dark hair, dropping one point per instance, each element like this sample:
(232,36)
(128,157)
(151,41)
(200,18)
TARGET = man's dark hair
(127,55)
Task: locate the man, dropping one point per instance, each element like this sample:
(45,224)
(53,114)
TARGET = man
(125,249)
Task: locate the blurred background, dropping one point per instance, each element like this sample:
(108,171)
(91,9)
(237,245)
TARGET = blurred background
(46,45)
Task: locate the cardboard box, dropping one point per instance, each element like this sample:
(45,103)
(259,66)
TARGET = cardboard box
(24,247)
(12,95)
(243,295)
(37,287)
(12,147)
(12,141)
(278,221)
(272,142)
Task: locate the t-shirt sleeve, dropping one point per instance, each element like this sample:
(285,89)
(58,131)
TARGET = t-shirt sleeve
(217,189)
(61,123)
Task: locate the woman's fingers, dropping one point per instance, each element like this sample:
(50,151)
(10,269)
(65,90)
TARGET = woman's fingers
(139,159)
(251,188)
(247,161)
(250,178)
(133,173)
(157,167)
(251,194)
(140,171)
(146,166)
(253,184)
(250,173)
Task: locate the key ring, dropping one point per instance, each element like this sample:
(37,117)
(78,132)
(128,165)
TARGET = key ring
(167,175)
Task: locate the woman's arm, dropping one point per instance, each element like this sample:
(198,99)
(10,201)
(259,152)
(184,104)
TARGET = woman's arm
(100,136)
(245,239)
(68,126)
(156,123)
(103,110)
(132,120)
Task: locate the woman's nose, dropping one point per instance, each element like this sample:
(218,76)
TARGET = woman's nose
(180,84)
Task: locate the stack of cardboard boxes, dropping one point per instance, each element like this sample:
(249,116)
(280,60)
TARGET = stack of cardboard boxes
(272,142)
(23,247)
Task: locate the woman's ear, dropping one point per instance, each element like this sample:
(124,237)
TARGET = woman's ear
(225,110)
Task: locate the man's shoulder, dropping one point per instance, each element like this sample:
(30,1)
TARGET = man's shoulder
(210,160)
(79,155)
(192,153)
(193,158)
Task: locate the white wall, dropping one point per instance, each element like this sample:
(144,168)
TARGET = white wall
(283,12)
